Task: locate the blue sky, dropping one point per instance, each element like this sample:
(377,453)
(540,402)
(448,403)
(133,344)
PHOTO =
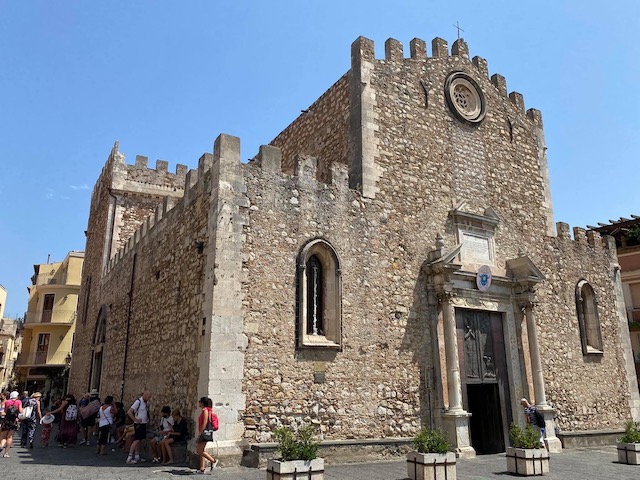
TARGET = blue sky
(165,78)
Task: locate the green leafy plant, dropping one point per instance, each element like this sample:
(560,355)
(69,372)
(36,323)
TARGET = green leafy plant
(633,235)
(431,441)
(524,437)
(297,445)
(631,433)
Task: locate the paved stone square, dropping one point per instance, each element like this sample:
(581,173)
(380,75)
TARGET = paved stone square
(81,463)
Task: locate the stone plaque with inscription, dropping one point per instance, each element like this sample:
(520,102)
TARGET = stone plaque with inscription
(475,249)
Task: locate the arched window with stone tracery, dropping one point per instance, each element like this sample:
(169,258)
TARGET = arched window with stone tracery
(319,302)
(587,308)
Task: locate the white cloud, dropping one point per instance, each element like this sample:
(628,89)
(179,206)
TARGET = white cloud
(79,187)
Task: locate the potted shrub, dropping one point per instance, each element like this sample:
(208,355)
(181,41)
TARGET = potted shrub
(629,444)
(525,456)
(298,451)
(431,459)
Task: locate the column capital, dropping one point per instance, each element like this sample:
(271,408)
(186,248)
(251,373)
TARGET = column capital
(527,304)
(445,296)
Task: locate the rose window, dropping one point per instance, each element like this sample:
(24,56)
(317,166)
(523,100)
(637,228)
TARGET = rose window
(465,98)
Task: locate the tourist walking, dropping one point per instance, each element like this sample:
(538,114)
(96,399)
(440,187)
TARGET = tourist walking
(3,398)
(88,418)
(68,429)
(139,413)
(31,413)
(106,414)
(205,425)
(47,425)
(12,409)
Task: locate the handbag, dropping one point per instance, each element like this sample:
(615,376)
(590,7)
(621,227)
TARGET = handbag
(207,433)
(26,413)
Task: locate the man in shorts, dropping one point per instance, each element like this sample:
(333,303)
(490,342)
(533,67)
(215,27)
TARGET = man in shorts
(139,414)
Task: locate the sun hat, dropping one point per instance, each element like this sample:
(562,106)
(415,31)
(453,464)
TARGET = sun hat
(47,419)
(14,395)
(36,395)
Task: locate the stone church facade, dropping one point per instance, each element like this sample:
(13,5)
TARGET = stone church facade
(388,261)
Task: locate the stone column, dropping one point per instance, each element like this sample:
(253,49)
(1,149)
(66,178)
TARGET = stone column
(456,419)
(553,443)
(534,353)
(454,387)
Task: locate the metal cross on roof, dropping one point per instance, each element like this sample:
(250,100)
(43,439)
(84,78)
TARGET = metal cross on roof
(457,25)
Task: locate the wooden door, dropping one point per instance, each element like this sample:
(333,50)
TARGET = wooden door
(484,376)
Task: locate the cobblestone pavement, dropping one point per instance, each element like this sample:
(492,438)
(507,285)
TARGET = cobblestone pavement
(81,463)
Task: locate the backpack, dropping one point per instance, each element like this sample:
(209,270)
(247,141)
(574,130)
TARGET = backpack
(539,418)
(214,422)
(11,414)
(71,413)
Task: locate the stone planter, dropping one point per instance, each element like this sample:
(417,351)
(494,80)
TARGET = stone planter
(527,461)
(296,469)
(629,453)
(431,466)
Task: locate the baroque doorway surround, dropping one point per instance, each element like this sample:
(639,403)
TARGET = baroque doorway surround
(514,369)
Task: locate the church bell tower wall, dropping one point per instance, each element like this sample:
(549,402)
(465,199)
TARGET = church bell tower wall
(150,289)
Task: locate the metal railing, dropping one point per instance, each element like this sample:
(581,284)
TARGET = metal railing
(42,358)
(50,316)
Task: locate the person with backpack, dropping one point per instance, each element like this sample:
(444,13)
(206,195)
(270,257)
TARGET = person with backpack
(12,409)
(207,424)
(139,413)
(534,418)
(68,429)
(31,413)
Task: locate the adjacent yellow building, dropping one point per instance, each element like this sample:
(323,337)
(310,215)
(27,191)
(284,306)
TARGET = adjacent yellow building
(9,344)
(49,325)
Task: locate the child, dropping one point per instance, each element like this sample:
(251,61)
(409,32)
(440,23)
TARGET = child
(47,423)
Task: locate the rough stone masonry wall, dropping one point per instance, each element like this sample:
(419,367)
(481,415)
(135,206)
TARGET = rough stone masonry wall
(165,324)
(372,385)
(590,392)
(91,275)
(138,191)
(432,161)
(321,131)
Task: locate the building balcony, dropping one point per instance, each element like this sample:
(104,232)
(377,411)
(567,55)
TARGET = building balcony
(62,317)
(43,359)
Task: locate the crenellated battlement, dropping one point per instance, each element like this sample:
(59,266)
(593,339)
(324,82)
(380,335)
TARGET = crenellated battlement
(120,177)
(305,168)
(394,52)
(584,237)
(193,185)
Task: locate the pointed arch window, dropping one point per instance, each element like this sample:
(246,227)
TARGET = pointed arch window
(587,307)
(319,312)
(99,339)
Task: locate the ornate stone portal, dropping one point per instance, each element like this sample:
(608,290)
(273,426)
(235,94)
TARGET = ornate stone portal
(504,365)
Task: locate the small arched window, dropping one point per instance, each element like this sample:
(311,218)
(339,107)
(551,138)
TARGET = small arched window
(587,307)
(319,312)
